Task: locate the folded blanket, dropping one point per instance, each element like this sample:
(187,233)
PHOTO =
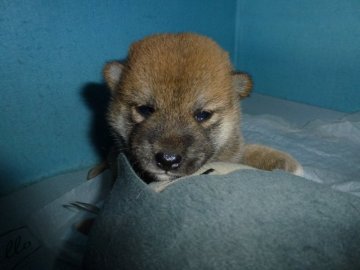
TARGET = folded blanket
(248,219)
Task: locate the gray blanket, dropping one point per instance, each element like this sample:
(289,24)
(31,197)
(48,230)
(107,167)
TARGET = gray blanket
(247,219)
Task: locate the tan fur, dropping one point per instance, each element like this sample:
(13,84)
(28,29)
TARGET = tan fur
(178,75)
(266,158)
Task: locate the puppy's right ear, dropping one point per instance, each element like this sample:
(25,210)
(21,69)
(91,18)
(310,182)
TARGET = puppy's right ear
(112,74)
(243,84)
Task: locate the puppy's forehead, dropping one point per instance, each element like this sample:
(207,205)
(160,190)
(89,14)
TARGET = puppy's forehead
(181,66)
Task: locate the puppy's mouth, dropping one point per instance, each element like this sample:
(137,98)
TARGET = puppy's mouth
(164,175)
(188,167)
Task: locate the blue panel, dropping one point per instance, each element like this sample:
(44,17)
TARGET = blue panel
(51,55)
(307,51)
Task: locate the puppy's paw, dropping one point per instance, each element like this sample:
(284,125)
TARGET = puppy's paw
(266,158)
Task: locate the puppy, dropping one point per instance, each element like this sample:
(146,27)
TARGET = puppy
(175,107)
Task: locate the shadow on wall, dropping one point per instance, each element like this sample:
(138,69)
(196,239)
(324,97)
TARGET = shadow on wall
(97,97)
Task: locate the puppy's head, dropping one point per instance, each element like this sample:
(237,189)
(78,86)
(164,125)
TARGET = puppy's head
(175,103)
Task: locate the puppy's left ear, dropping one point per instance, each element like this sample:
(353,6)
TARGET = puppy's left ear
(242,83)
(112,74)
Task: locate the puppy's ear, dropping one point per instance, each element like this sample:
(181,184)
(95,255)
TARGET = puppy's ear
(112,74)
(243,84)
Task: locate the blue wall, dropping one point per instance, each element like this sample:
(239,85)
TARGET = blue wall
(51,56)
(303,50)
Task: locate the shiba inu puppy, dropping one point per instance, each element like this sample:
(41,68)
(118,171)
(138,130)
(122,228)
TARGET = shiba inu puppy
(175,107)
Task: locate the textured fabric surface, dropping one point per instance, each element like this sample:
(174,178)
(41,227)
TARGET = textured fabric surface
(328,150)
(248,219)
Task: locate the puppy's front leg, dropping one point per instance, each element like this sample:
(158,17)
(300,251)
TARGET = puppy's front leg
(266,158)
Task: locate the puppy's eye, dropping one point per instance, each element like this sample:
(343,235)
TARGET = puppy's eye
(202,116)
(145,111)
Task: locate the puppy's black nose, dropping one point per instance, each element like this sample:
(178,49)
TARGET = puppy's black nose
(167,161)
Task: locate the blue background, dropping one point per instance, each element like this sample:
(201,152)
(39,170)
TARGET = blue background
(303,50)
(52,53)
